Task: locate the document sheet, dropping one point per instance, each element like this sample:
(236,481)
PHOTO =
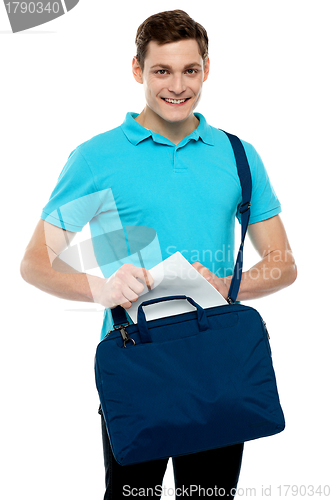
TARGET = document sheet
(176,276)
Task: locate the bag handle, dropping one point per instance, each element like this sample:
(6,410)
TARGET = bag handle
(142,323)
(244,174)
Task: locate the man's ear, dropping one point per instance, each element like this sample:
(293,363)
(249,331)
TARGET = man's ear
(206,69)
(137,71)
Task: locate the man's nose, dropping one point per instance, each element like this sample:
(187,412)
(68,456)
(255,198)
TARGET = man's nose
(177,84)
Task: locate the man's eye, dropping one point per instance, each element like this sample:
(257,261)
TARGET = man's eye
(191,71)
(162,71)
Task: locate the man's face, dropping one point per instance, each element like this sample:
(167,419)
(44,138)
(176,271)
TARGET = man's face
(173,77)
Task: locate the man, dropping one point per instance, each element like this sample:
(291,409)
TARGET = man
(168,171)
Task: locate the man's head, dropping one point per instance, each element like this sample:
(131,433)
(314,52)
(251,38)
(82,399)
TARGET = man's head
(167,27)
(172,63)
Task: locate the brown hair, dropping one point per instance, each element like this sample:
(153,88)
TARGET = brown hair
(167,27)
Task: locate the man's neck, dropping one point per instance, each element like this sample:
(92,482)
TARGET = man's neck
(174,131)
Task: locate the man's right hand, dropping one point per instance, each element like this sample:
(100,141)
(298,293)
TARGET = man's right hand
(47,243)
(123,287)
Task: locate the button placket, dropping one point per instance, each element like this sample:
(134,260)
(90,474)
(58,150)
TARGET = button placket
(177,167)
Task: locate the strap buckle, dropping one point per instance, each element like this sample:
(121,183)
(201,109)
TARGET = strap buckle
(124,333)
(120,325)
(230,301)
(245,207)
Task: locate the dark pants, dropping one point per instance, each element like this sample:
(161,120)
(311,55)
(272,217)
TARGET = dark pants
(195,475)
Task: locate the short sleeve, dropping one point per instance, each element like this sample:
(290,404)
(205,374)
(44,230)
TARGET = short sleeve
(264,201)
(75,199)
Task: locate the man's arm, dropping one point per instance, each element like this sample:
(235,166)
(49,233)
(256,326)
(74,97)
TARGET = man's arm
(275,270)
(47,243)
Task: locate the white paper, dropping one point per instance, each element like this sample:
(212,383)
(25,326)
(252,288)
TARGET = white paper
(176,276)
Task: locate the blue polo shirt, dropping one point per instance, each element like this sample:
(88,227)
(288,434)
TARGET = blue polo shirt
(146,198)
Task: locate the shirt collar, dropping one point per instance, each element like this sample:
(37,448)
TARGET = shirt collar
(135,133)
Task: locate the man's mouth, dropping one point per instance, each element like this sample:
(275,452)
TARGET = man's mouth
(175,101)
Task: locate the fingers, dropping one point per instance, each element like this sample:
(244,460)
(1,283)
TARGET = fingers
(146,278)
(130,274)
(144,275)
(203,271)
(126,286)
(126,305)
(216,282)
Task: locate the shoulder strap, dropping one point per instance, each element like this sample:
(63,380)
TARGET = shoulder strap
(243,170)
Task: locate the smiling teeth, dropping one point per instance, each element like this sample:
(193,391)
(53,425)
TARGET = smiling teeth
(175,101)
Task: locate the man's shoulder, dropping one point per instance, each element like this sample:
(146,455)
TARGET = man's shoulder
(223,141)
(104,140)
(221,135)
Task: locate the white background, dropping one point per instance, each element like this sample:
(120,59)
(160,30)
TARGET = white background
(70,79)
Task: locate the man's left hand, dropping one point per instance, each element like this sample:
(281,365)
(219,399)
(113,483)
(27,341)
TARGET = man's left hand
(220,284)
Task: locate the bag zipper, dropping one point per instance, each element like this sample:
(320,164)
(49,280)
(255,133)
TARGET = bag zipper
(268,335)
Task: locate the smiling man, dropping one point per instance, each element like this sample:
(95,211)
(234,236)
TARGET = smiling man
(172,78)
(166,170)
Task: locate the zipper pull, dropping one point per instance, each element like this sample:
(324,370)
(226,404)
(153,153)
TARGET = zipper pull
(268,336)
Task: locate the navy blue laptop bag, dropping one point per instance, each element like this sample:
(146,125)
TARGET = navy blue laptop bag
(193,381)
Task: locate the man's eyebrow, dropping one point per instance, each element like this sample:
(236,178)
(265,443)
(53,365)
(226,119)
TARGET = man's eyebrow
(166,66)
